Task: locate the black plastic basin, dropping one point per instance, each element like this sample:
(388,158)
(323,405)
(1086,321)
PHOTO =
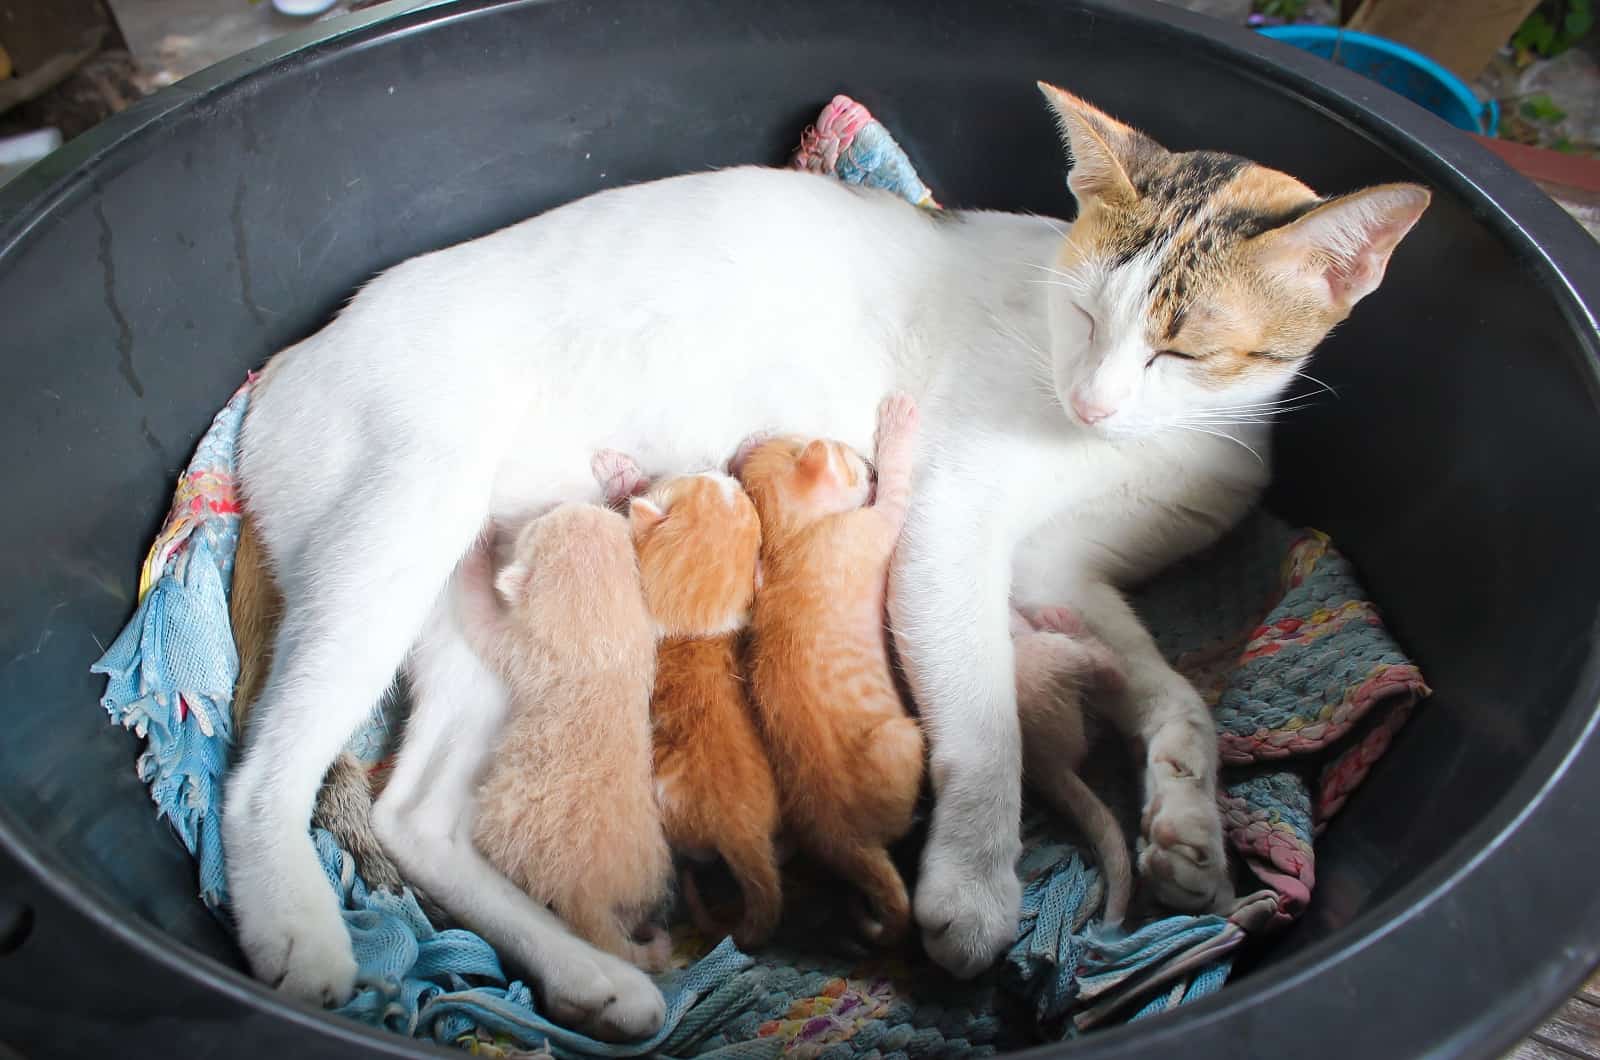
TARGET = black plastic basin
(147,265)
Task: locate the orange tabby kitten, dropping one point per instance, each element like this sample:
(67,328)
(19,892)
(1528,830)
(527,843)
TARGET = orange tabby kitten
(566,811)
(1060,663)
(848,758)
(699,543)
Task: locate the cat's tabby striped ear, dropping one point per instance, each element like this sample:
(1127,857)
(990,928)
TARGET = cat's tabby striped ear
(1101,149)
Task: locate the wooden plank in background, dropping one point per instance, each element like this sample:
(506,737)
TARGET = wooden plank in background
(1533,1049)
(33,33)
(1461,35)
(1591,989)
(1575,1027)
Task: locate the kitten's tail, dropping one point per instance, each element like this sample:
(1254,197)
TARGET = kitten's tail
(1077,801)
(344,803)
(888,915)
(755,868)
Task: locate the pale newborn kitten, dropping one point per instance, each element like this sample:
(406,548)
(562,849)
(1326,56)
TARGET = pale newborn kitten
(567,811)
(1059,665)
(848,758)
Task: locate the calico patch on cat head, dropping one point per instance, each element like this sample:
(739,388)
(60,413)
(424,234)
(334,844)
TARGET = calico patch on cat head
(796,481)
(698,542)
(1194,284)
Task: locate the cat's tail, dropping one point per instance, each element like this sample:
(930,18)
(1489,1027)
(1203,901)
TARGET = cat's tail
(1068,793)
(887,916)
(344,803)
(755,869)
(755,866)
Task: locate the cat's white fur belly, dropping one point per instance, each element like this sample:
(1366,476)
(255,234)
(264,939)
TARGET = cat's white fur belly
(669,321)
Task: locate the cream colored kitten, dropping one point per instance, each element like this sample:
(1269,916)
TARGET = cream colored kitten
(567,810)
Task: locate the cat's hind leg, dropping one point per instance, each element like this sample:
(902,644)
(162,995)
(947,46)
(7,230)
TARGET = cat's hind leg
(359,570)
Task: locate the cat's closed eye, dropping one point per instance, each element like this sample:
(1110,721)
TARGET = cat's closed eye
(1179,354)
(1090,319)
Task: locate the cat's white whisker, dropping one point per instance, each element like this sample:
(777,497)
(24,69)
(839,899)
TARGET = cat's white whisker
(1220,434)
(1055,226)
(1308,377)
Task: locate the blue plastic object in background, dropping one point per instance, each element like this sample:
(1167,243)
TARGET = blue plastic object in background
(1399,69)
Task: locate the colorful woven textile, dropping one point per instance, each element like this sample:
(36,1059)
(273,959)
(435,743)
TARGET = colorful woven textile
(1271,626)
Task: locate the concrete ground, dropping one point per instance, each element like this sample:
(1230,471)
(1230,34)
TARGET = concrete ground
(171,39)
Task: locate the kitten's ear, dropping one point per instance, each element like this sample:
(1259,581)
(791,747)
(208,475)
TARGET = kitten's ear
(813,460)
(746,447)
(643,515)
(760,578)
(511,582)
(1099,146)
(1345,243)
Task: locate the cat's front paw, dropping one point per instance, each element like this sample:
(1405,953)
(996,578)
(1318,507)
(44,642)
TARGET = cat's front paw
(967,912)
(1182,858)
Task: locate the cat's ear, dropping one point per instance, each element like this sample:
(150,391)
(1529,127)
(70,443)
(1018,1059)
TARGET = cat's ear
(511,582)
(1344,244)
(813,460)
(746,447)
(1100,147)
(643,515)
(760,578)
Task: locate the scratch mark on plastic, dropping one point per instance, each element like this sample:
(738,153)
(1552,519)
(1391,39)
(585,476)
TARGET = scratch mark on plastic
(241,254)
(108,272)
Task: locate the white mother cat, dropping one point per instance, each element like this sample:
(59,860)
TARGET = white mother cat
(1088,399)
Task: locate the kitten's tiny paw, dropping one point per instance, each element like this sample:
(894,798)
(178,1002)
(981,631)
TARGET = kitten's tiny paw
(898,420)
(1181,857)
(605,997)
(618,474)
(968,916)
(1055,620)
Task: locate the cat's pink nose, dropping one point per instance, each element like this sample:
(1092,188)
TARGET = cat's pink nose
(1089,411)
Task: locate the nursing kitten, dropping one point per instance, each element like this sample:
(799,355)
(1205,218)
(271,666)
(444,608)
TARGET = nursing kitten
(848,758)
(698,540)
(1060,665)
(566,809)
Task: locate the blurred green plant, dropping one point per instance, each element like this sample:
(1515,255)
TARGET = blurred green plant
(1542,108)
(1552,28)
(1288,10)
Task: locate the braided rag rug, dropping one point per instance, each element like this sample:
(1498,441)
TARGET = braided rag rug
(1271,625)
